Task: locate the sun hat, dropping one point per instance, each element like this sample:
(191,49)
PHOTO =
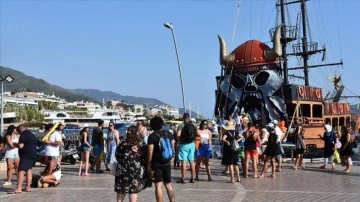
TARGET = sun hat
(229,125)
(328,128)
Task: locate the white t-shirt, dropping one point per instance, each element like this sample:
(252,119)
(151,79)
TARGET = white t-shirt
(52,150)
(278,133)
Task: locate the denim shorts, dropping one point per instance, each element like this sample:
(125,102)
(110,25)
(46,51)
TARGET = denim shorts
(85,148)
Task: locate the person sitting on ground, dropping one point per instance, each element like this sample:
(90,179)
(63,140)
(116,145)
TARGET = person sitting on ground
(50,177)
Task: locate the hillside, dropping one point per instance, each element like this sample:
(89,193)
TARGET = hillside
(99,95)
(23,81)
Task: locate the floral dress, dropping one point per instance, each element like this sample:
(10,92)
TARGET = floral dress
(131,175)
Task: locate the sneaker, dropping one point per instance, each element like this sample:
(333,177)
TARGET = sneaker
(323,167)
(7,183)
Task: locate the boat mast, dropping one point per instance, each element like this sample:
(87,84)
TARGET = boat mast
(304,42)
(304,49)
(284,42)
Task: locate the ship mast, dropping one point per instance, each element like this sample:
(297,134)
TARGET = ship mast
(304,44)
(283,36)
(304,49)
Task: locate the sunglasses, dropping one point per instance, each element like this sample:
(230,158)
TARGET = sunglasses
(111,125)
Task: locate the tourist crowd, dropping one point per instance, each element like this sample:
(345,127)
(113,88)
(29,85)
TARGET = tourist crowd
(145,155)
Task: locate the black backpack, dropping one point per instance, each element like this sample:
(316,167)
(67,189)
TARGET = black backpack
(188,133)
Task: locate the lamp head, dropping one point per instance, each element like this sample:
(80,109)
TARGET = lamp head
(168,25)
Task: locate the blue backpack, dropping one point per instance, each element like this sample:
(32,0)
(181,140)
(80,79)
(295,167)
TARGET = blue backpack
(165,147)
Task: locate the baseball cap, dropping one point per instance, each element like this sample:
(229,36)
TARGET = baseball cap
(186,115)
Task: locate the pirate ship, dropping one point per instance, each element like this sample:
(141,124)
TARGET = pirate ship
(255,75)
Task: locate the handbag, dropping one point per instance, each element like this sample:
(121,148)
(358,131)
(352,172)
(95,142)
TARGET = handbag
(337,157)
(113,169)
(234,145)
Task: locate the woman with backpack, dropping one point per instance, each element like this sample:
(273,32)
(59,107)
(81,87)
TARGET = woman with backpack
(270,151)
(204,149)
(329,139)
(230,157)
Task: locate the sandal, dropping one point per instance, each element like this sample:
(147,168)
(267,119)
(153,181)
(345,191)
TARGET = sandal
(230,181)
(14,192)
(26,190)
(181,181)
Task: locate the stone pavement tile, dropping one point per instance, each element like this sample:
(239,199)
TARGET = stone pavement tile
(99,187)
(311,184)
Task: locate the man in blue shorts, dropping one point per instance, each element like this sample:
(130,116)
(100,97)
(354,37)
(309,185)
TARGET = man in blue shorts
(98,145)
(186,133)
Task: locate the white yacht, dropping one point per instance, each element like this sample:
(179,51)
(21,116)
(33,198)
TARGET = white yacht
(106,115)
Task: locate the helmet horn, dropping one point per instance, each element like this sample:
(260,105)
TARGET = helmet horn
(226,60)
(272,54)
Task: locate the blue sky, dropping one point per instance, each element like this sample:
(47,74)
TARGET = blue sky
(122,46)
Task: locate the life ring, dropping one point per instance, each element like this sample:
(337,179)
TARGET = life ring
(301,91)
(333,108)
(317,93)
(341,108)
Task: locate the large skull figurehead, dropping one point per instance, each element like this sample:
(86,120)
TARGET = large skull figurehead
(252,74)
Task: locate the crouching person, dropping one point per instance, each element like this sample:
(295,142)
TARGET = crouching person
(51,176)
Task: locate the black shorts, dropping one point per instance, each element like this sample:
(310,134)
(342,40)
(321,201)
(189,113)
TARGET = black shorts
(299,151)
(162,173)
(26,164)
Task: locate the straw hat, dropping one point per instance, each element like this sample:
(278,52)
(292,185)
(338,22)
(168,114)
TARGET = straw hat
(229,125)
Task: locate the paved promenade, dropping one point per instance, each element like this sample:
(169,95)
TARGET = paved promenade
(311,184)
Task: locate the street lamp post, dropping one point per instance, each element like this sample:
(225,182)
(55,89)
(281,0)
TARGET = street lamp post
(169,26)
(9,79)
